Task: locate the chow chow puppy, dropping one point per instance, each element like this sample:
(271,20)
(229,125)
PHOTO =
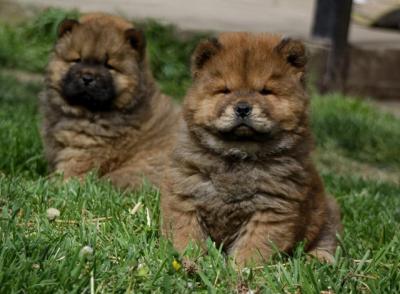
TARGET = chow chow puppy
(101,107)
(241,171)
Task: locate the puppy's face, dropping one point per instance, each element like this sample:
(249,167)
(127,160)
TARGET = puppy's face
(248,93)
(97,62)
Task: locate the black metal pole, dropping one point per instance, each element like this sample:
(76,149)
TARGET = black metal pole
(331,22)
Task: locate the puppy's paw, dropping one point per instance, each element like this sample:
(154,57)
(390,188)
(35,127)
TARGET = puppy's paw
(322,255)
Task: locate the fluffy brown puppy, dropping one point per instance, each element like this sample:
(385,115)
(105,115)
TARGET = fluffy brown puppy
(101,107)
(241,172)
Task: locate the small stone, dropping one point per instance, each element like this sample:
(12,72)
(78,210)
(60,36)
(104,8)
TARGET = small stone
(86,251)
(52,213)
(190,285)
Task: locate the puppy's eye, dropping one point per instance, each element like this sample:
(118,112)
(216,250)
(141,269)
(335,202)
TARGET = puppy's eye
(265,91)
(224,91)
(76,60)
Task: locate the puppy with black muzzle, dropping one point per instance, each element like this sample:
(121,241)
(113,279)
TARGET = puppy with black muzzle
(89,85)
(241,172)
(101,107)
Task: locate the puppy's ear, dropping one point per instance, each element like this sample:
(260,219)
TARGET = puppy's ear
(137,40)
(293,51)
(203,53)
(66,26)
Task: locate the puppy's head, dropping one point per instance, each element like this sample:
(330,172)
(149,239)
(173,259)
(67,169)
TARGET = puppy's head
(248,95)
(98,63)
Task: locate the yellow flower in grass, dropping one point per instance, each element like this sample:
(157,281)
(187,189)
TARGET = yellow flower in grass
(176,265)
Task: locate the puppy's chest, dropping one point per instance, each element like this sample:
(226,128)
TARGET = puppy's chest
(223,222)
(231,204)
(236,194)
(233,185)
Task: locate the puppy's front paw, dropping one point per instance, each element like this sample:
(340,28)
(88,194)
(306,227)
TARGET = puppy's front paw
(322,255)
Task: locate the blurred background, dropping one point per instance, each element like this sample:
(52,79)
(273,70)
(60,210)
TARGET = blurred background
(354,45)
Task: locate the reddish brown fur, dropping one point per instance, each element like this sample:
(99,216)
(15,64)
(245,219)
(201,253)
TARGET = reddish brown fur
(124,144)
(259,188)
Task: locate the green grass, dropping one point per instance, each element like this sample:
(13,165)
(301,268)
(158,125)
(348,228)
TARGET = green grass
(27,45)
(356,128)
(20,147)
(42,256)
(170,56)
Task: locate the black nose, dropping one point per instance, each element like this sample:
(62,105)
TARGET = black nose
(243,109)
(87,79)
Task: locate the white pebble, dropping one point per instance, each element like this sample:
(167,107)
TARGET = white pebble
(52,213)
(86,251)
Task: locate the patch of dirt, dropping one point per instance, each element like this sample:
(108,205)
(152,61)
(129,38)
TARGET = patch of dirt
(333,161)
(23,76)
(391,106)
